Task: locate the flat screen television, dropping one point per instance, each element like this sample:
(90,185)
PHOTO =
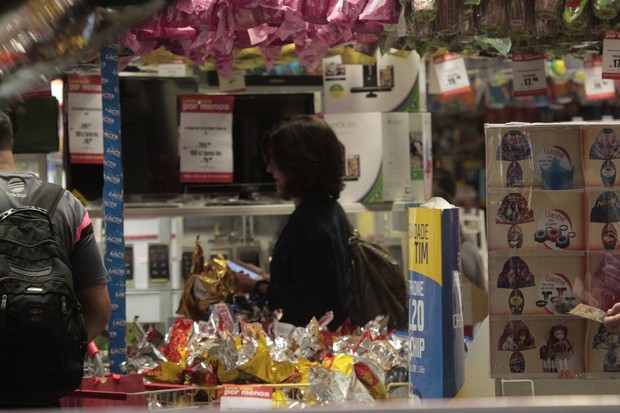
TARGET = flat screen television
(253,115)
(149,142)
(149,133)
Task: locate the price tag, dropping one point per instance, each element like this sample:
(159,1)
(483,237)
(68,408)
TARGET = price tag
(528,74)
(611,55)
(448,75)
(234,83)
(597,88)
(205,139)
(85,119)
(246,397)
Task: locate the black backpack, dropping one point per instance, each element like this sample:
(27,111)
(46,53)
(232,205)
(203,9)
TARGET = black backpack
(42,331)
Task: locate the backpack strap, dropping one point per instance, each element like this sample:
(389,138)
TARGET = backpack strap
(47,197)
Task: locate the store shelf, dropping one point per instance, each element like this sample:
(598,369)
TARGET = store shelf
(159,210)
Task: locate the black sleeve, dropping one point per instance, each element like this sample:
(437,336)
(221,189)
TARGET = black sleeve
(311,265)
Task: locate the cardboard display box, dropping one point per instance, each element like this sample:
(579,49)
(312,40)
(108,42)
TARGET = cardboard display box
(394,83)
(377,155)
(544,156)
(421,150)
(520,347)
(552,217)
(535,283)
(536,219)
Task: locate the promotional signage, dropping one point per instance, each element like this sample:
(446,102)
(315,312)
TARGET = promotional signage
(595,86)
(448,75)
(85,119)
(205,141)
(246,397)
(114,258)
(528,72)
(436,356)
(611,55)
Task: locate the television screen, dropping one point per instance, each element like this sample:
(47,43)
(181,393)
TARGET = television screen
(149,133)
(253,115)
(149,141)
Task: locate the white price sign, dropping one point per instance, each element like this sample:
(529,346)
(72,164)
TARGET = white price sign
(235,82)
(597,88)
(85,119)
(205,139)
(449,75)
(611,55)
(528,74)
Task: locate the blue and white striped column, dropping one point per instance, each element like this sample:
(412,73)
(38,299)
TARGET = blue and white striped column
(113,204)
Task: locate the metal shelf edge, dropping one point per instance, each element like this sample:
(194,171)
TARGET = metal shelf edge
(228,210)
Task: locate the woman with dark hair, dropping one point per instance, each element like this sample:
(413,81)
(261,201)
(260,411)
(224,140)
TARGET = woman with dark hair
(310,264)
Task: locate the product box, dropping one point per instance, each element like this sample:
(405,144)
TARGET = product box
(603,215)
(538,347)
(601,150)
(552,216)
(393,83)
(436,356)
(421,150)
(602,286)
(535,282)
(536,219)
(544,155)
(602,352)
(377,155)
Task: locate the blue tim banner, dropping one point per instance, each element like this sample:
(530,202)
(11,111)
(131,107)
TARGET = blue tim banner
(113,203)
(436,359)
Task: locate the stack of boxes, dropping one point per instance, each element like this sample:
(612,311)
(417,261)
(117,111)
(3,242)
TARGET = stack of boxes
(552,216)
(377,112)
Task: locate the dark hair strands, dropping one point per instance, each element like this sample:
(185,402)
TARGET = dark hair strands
(307,151)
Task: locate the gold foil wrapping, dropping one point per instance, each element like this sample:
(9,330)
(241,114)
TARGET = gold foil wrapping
(209,283)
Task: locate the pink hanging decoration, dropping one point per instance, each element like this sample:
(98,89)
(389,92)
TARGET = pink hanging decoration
(224,37)
(129,41)
(271,17)
(207,19)
(315,11)
(261,33)
(245,19)
(311,51)
(270,53)
(386,11)
(180,33)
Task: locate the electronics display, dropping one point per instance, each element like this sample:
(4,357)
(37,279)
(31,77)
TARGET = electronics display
(149,142)
(252,254)
(240,268)
(186,264)
(149,133)
(253,115)
(158,263)
(129,268)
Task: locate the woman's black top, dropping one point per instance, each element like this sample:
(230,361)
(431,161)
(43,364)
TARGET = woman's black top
(310,265)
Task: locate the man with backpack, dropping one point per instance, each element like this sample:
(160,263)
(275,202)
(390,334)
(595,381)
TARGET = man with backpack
(53,285)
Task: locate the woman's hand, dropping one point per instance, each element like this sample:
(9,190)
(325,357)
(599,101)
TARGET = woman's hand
(612,319)
(253,268)
(244,282)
